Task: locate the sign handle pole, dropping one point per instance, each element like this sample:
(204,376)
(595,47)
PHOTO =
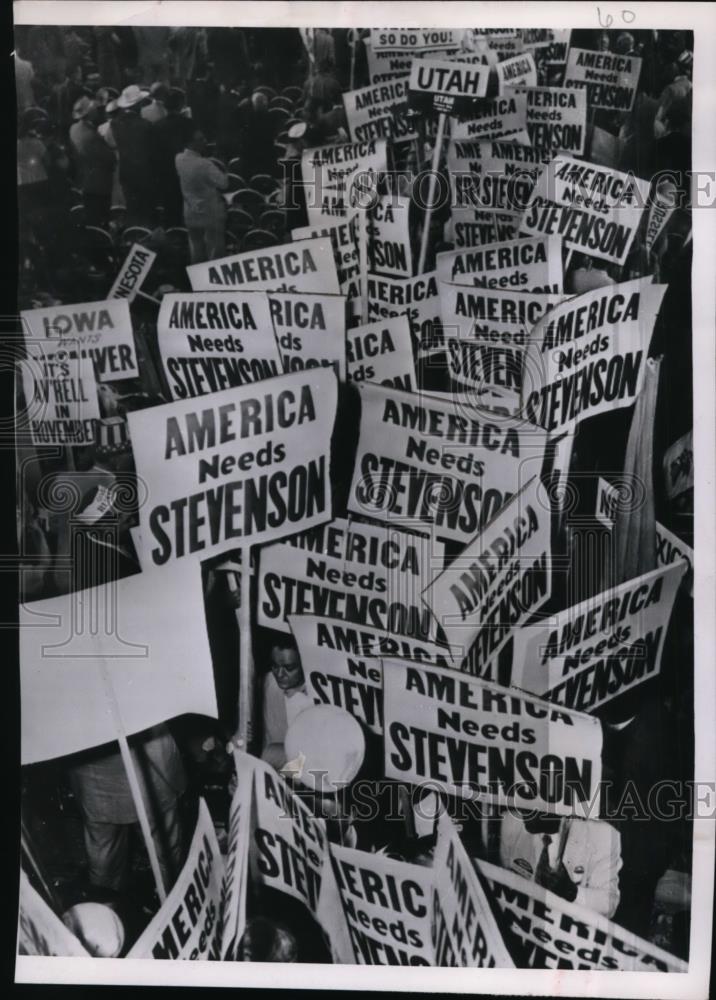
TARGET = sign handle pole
(363,253)
(149,298)
(244,732)
(431,191)
(133,780)
(353,41)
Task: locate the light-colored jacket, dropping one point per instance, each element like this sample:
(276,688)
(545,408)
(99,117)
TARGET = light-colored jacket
(589,849)
(201,180)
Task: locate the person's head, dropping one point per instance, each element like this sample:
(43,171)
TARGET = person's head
(624,44)
(30,123)
(603,42)
(104,95)
(175,101)
(311,110)
(678,117)
(95,116)
(285,664)
(259,100)
(158,92)
(132,99)
(83,108)
(197,141)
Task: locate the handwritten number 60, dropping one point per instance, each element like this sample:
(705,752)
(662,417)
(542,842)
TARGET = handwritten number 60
(628,17)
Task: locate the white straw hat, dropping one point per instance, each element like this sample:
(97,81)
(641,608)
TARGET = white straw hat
(131,95)
(330,743)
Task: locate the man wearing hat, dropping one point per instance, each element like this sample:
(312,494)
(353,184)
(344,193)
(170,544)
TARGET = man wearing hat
(135,142)
(94,161)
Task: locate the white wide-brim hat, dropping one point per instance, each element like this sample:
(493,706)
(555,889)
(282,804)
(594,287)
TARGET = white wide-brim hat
(131,95)
(98,927)
(330,745)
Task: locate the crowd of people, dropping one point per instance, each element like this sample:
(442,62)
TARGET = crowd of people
(187,140)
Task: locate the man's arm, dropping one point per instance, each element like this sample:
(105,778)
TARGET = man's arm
(601,891)
(275,725)
(218,178)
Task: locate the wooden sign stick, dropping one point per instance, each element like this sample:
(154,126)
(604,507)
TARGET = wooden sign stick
(442,118)
(133,780)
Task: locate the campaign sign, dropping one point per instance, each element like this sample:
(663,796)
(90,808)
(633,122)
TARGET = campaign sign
(588,354)
(473,227)
(550,933)
(360,573)
(493,314)
(479,740)
(518,71)
(382,352)
(240,466)
(187,925)
(341,637)
(556,119)
(134,270)
(498,175)
(388,230)
(446,87)
(209,341)
(306,267)
(61,402)
(435,465)
(499,580)
(346,680)
(343,234)
(596,210)
(236,874)
(596,650)
(495,118)
(310,330)
(99,331)
(329,175)
(380,111)
(413,39)
(527,265)
(385,65)
(493,372)
(465,932)
(610,80)
(417,297)
(607,503)
(387,904)
(288,846)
